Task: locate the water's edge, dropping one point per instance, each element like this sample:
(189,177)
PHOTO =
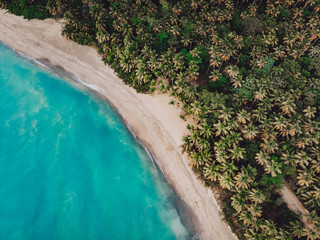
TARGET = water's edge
(183,209)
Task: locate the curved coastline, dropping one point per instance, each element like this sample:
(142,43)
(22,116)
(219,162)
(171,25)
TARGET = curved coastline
(181,206)
(155,124)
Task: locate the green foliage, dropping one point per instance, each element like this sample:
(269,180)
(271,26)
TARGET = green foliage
(306,13)
(252,25)
(284,13)
(29,11)
(305,62)
(218,85)
(276,182)
(247,44)
(223,30)
(237,23)
(268,64)
(136,21)
(243,60)
(161,44)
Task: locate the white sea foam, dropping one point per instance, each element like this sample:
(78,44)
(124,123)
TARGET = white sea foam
(25,56)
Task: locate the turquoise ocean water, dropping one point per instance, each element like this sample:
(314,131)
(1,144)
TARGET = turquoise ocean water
(69,169)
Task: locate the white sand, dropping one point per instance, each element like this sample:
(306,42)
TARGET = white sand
(154,121)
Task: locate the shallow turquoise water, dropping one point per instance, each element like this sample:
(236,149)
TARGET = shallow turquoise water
(69,169)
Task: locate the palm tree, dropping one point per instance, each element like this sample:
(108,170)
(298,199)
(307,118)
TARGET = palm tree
(203,145)
(302,142)
(243,179)
(260,94)
(260,114)
(305,177)
(187,143)
(226,181)
(288,107)
(232,71)
(280,123)
(238,203)
(315,165)
(228,167)
(310,112)
(272,167)
(303,159)
(270,146)
(237,152)
(296,228)
(221,156)
(221,128)
(289,158)
(313,218)
(228,140)
(225,114)
(197,159)
(206,130)
(212,172)
(310,198)
(255,210)
(250,132)
(262,158)
(237,81)
(310,233)
(243,116)
(269,228)
(235,137)
(251,234)
(256,196)
(247,218)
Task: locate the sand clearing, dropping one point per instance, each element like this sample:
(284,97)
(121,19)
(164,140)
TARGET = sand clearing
(153,120)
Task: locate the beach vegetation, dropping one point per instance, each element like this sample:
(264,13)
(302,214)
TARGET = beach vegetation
(248,75)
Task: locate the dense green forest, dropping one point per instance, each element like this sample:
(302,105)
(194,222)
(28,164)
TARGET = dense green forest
(247,72)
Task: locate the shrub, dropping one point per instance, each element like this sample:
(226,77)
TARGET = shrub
(218,85)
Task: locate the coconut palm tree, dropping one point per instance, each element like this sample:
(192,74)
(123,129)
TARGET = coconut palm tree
(273,168)
(243,179)
(296,228)
(212,171)
(252,234)
(243,116)
(221,128)
(206,130)
(269,228)
(305,177)
(310,234)
(238,203)
(303,159)
(262,158)
(225,114)
(250,131)
(237,152)
(289,158)
(310,112)
(256,196)
(255,210)
(226,181)
(247,218)
(288,107)
(221,156)
(315,165)
(229,167)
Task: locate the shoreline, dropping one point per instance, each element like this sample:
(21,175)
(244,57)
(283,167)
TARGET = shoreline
(182,208)
(154,122)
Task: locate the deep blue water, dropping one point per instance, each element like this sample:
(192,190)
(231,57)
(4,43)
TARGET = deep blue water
(69,169)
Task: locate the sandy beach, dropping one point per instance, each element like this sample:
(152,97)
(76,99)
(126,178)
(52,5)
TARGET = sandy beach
(156,123)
